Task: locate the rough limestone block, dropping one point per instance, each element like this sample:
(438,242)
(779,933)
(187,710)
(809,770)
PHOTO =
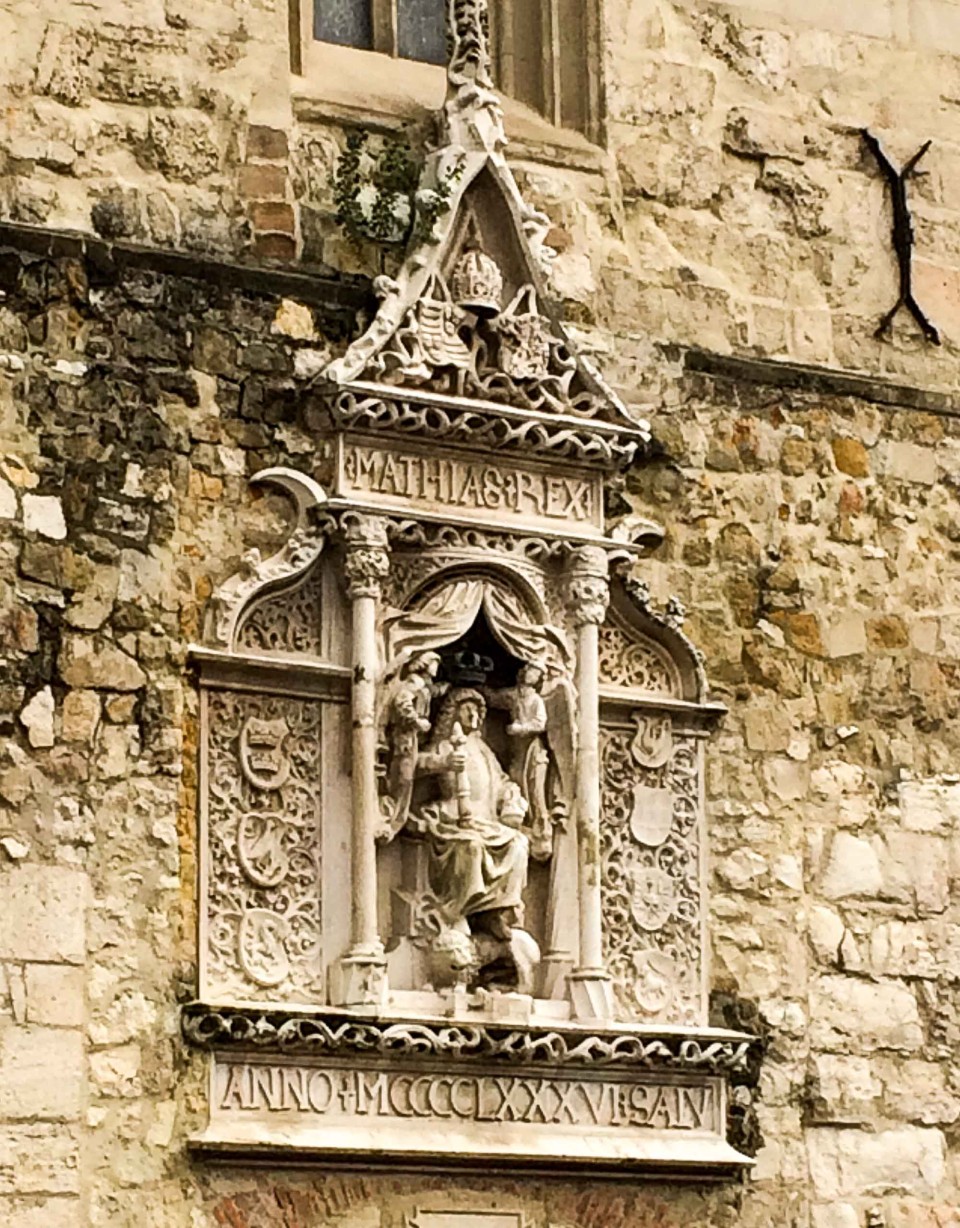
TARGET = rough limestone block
(42,917)
(908,462)
(929,805)
(43,514)
(43,1073)
(51,1213)
(8,501)
(55,994)
(38,1159)
(847,1087)
(86,662)
(81,716)
(36,716)
(836,1215)
(853,869)
(854,1163)
(845,636)
(851,1015)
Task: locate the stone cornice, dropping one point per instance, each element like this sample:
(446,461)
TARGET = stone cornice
(291,1031)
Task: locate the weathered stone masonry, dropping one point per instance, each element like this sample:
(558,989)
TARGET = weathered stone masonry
(802,529)
(812,526)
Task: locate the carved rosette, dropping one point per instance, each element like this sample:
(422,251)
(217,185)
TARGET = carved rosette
(588,586)
(366,561)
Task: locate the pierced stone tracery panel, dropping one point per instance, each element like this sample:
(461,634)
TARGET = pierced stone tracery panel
(287,622)
(262,865)
(638,664)
(651,869)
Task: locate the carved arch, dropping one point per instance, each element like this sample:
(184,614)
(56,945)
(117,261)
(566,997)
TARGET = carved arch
(518,618)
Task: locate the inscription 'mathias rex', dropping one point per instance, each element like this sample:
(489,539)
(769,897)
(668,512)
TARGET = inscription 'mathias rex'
(471,486)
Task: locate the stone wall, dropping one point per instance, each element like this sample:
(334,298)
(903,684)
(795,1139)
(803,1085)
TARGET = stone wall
(812,528)
(737,207)
(811,537)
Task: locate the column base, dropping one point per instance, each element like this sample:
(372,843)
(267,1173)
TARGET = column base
(556,969)
(591,993)
(360,979)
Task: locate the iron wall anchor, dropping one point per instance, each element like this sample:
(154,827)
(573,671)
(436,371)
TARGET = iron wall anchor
(902,235)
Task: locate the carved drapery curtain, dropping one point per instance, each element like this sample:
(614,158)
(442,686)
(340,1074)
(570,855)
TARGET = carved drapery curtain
(451,612)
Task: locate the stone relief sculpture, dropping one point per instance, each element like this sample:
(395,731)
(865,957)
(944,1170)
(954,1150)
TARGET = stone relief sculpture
(452,759)
(478,851)
(482,820)
(405,708)
(542,737)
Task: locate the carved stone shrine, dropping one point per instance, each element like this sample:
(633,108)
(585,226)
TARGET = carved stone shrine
(451,825)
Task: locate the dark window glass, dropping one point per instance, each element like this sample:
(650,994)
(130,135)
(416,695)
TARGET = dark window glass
(343,21)
(421,30)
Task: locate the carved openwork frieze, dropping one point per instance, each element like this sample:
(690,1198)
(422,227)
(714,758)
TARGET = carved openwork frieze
(451,775)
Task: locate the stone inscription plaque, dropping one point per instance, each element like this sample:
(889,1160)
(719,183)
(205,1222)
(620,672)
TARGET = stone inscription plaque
(469,488)
(338,1109)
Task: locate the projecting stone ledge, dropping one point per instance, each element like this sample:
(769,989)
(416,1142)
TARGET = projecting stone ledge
(295,1086)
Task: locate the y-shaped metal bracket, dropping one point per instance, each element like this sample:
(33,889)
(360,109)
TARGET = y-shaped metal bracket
(902,234)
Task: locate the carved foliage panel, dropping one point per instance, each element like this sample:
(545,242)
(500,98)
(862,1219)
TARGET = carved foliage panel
(651,868)
(262,871)
(626,661)
(286,622)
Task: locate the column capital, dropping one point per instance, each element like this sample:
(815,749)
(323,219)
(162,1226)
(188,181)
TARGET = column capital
(588,585)
(367,555)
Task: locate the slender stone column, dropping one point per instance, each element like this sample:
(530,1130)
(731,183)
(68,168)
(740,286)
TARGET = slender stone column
(362,980)
(588,594)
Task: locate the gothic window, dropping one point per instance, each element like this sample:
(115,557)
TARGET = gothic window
(546,52)
(410,29)
(547,55)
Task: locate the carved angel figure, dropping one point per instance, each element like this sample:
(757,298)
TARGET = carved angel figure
(404,719)
(541,732)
